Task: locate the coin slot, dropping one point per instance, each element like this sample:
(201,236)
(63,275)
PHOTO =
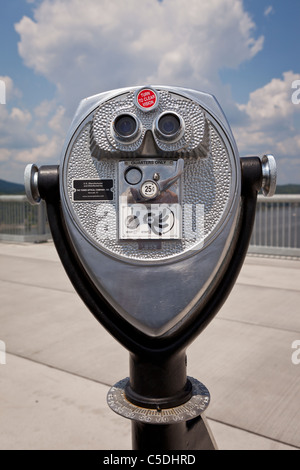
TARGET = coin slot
(133,175)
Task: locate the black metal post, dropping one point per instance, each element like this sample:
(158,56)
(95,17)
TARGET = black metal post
(193,434)
(158,382)
(162,384)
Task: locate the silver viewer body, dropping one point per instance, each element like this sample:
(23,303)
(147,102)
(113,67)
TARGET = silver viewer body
(150,187)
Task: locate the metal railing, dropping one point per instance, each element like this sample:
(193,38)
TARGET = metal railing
(276,229)
(277,226)
(21,222)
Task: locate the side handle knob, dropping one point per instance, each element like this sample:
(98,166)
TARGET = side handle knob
(269,175)
(31,184)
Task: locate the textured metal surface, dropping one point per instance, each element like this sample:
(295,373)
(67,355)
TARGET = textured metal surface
(208,178)
(194,407)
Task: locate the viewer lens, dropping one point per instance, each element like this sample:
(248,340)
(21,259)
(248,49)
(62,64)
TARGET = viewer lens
(126,125)
(169,126)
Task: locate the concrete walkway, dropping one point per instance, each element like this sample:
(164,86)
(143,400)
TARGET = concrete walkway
(60,362)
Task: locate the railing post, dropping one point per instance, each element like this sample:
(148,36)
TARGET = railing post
(276,230)
(20,222)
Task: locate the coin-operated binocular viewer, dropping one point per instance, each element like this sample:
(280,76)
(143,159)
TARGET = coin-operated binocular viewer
(151,212)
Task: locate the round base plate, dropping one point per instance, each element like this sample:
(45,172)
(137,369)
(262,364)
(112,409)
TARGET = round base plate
(191,409)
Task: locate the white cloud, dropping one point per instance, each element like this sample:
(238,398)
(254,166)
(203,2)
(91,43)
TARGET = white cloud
(270,110)
(44,109)
(269,10)
(88,47)
(57,122)
(5,155)
(10,90)
(47,151)
(270,113)
(96,45)
(27,137)
(271,125)
(20,117)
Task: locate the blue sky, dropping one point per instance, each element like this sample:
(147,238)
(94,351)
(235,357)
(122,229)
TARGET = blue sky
(54,53)
(34,87)
(278,22)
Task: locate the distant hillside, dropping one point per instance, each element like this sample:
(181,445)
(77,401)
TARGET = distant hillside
(11,188)
(288,189)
